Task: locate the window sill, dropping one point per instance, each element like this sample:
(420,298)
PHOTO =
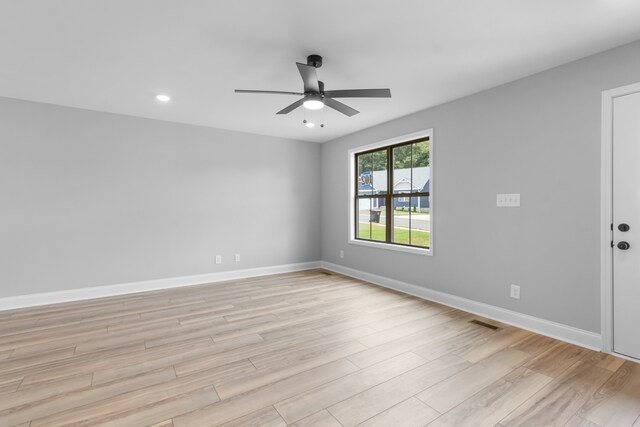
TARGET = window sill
(392,247)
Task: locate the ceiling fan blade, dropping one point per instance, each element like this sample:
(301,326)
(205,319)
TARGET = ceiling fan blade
(309,77)
(291,107)
(277,92)
(339,106)
(358,93)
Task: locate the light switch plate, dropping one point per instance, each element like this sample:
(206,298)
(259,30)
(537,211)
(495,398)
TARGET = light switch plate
(508,200)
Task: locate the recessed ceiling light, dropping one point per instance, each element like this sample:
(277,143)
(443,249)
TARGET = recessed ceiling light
(308,124)
(163,98)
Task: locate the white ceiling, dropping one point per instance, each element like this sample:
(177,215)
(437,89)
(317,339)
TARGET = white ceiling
(115,55)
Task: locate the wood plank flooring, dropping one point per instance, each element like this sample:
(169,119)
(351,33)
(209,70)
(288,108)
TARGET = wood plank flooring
(300,349)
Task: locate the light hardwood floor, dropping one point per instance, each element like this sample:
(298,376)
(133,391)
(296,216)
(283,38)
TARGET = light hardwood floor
(301,349)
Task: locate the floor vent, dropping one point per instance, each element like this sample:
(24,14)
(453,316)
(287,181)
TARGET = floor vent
(486,325)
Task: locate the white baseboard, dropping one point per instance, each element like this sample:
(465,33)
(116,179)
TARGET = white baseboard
(562,332)
(32,300)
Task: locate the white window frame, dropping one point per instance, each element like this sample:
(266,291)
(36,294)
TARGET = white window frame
(352,170)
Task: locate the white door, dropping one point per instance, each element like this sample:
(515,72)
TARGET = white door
(626,225)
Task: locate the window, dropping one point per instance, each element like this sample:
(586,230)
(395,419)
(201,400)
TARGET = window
(391,194)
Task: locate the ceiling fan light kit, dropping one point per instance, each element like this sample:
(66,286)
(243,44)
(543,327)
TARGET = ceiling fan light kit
(315,97)
(313,102)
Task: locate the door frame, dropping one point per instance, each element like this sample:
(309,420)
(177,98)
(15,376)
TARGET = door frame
(606,212)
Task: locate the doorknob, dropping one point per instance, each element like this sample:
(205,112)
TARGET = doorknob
(624,227)
(623,246)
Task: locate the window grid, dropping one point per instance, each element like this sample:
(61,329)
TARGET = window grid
(389,195)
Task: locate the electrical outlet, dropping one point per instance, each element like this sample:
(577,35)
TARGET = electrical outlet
(515,291)
(341,254)
(218,259)
(237,258)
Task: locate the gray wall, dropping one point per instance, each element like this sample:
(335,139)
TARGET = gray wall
(539,136)
(93,199)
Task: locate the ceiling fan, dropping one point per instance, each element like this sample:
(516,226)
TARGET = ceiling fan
(315,97)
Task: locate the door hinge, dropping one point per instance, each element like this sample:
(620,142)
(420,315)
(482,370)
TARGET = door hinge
(611,227)
(612,243)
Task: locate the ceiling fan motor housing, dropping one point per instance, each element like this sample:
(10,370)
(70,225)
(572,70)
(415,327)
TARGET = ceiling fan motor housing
(314,61)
